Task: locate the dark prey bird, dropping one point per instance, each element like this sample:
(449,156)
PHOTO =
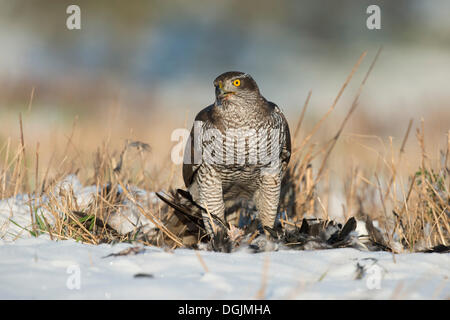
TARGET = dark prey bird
(239,149)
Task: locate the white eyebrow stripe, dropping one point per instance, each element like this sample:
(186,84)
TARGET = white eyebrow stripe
(245,75)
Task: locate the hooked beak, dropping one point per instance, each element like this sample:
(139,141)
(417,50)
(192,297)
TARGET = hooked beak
(221,93)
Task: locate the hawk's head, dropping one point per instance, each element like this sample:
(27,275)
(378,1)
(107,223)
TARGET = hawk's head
(235,86)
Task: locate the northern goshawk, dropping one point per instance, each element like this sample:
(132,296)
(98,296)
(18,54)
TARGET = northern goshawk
(239,148)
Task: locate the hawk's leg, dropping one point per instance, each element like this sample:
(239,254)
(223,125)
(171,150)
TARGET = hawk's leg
(267,198)
(210,197)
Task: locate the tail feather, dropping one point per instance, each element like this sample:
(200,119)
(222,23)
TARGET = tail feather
(183,210)
(188,197)
(187,209)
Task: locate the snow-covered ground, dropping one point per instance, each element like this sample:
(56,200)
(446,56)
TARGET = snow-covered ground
(39,268)
(15,218)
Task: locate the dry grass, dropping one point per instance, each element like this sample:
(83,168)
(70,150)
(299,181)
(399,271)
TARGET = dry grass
(401,186)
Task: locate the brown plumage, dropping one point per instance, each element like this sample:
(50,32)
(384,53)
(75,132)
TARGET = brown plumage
(238,150)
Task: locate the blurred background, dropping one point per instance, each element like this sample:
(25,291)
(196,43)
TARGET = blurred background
(139,69)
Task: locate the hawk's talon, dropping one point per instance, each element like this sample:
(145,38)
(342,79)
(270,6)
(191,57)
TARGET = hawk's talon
(220,242)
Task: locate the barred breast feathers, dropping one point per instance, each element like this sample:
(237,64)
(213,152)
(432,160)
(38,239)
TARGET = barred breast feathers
(213,117)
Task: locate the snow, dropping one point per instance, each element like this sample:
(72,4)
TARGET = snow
(15,216)
(39,268)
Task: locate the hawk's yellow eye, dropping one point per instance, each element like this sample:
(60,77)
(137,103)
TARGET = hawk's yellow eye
(237,83)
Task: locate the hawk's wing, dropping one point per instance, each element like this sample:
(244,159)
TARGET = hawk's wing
(193,151)
(285,152)
(286,148)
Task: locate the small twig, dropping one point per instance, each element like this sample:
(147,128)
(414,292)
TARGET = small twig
(202,262)
(262,291)
(402,150)
(22,144)
(30,103)
(213,225)
(302,115)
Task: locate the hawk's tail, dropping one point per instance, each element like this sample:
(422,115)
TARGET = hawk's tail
(186,210)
